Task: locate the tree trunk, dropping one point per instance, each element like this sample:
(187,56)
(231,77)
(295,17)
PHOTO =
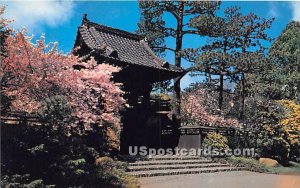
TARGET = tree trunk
(221,91)
(243,97)
(177,88)
(221,88)
(243,86)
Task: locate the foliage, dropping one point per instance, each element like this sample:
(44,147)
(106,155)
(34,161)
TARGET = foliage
(279,78)
(216,57)
(162,87)
(288,170)
(57,159)
(31,73)
(273,92)
(275,139)
(53,112)
(291,126)
(77,116)
(155,26)
(200,108)
(234,51)
(216,141)
(4,32)
(3,21)
(250,163)
(293,118)
(112,173)
(285,53)
(21,181)
(191,17)
(254,165)
(242,140)
(235,42)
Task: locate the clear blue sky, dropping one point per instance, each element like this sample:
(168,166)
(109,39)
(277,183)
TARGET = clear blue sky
(59,20)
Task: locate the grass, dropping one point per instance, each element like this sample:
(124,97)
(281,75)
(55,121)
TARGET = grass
(293,169)
(254,165)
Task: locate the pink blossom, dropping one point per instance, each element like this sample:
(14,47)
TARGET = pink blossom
(195,107)
(33,72)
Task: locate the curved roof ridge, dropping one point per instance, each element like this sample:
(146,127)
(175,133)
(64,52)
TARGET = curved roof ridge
(112,30)
(87,37)
(98,39)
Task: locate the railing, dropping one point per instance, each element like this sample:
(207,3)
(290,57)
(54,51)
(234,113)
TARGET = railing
(18,118)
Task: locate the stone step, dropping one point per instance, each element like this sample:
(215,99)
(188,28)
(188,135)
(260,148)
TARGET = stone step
(159,158)
(151,173)
(174,166)
(169,162)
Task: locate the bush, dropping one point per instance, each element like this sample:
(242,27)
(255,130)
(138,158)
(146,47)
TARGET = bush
(216,141)
(55,158)
(278,136)
(291,127)
(55,161)
(22,181)
(254,165)
(250,163)
(112,173)
(240,140)
(274,147)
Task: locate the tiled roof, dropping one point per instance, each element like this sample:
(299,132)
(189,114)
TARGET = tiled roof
(122,45)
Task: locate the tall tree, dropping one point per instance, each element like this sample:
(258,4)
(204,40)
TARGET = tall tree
(217,57)
(280,78)
(235,50)
(252,54)
(190,17)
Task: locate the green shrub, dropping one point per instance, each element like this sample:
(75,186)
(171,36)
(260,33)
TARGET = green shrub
(50,157)
(241,140)
(273,140)
(113,173)
(250,163)
(216,141)
(54,113)
(254,165)
(22,181)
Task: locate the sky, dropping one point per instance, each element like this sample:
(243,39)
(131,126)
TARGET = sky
(58,20)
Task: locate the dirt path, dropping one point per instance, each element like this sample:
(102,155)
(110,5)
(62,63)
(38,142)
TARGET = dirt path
(242,179)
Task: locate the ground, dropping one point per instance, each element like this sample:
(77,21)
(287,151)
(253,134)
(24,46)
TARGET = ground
(241,179)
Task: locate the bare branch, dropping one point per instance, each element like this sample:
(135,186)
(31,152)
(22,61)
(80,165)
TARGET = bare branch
(166,48)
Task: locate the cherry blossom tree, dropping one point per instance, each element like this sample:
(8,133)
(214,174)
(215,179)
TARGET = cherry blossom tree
(30,73)
(200,108)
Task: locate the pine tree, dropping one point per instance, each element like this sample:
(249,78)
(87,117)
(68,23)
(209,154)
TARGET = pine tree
(191,17)
(217,57)
(252,56)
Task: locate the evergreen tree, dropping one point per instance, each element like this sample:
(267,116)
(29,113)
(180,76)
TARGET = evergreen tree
(190,17)
(217,57)
(235,50)
(280,78)
(251,56)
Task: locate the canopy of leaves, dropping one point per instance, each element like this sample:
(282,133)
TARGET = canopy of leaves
(192,17)
(280,78)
